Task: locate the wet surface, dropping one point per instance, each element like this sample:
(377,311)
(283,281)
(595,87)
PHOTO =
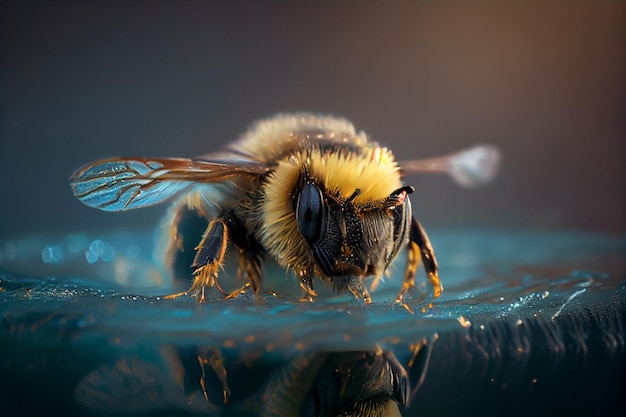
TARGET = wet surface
(528,322)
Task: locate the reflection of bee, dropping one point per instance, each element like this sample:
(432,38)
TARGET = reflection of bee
(342,383)
(307,190)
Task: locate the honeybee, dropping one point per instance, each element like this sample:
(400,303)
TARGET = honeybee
(308,190)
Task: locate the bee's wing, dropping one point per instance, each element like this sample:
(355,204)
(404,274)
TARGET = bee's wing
(469,168)
(128,183)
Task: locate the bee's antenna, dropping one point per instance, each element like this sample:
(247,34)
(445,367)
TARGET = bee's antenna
(354,195)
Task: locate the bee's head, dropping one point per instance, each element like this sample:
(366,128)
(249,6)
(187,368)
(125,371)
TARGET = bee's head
(357,383)
(349,239)
(336,212)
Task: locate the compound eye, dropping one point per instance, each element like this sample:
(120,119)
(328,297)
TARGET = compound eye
(310,212)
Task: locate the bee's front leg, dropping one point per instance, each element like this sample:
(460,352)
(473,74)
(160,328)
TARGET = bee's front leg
(209,255)
(420,245)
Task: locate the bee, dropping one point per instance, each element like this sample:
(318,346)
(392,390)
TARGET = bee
(309,190)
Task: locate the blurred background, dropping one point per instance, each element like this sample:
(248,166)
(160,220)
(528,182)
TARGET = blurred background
(545,81)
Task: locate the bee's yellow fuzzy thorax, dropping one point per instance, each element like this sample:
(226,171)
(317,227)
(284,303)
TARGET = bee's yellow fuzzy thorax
(374,173)
(339,173)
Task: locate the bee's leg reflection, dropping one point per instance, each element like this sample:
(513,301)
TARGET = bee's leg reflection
(419,245)
(209,256)
(213,357)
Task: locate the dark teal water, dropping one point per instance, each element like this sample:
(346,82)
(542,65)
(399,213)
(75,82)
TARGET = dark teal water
(523,315)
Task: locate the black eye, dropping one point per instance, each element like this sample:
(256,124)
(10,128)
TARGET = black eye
(310,212)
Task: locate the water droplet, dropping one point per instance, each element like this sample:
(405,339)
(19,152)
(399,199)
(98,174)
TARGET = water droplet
(107,253)
(91,256)
(52,254)
(99,249)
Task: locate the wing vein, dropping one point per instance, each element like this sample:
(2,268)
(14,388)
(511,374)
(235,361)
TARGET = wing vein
(129,183)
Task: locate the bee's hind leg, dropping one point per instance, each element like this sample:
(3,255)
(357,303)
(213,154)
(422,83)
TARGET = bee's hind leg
(250,271)
(208,260)
(419,246)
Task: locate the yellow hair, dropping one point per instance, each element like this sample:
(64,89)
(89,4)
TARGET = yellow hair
(374,173)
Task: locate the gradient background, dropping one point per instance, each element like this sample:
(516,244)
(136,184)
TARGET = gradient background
(543,80)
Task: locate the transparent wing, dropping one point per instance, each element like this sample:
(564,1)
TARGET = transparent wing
(469,168)
(128,183)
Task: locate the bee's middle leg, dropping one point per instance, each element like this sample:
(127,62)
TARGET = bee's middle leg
(358,289)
